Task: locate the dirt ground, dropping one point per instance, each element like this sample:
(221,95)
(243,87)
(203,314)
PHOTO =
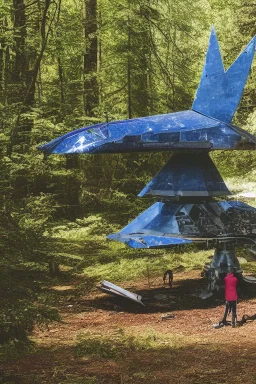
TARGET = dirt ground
(187,349)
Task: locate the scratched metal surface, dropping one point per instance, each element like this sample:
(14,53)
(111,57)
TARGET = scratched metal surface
(220,91)
(206,126)
(187,175)
(179,130)
(167,224)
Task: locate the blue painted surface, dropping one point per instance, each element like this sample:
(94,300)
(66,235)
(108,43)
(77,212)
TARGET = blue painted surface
(180,130)
(155,242)
(189,222)
(205,127)
(187,175)
(220,91)
(239,205)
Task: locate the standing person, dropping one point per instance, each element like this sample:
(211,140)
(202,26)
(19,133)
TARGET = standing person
(230,282)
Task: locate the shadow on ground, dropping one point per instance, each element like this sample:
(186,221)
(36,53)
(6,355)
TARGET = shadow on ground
(200,362)
(182,296)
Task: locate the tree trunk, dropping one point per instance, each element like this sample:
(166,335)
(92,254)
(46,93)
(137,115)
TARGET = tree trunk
(129,72)
(72,187)
(91,92)
(3,61)
(33,73)
(61,83)
(20,65)
(99,60)
(54,269)
(24,76)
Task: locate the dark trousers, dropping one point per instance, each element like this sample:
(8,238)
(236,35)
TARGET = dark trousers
(230,307)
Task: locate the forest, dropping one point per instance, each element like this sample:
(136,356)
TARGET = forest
(66,64)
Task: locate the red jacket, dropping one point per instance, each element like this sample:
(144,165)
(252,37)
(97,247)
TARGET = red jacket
(230,287)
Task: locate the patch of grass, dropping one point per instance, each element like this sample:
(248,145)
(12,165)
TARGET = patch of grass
(132,269)
(72,379)
(13,350)
(140,375)
(120,344)
(244,186)
(114,346)
(88,344)
(250,267)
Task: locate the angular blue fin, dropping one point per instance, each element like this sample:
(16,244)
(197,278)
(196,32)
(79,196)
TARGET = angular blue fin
(220,91)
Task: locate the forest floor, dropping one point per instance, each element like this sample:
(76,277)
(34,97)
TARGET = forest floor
(102,339)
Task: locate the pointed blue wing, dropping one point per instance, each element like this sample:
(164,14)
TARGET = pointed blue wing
(205,127)
(220,91)
(155,242)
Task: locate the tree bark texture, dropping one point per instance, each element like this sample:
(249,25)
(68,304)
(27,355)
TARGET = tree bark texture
(91,93)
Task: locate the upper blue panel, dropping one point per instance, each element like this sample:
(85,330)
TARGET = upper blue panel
(220,91)
(180,130)
(187,175)
(206,127)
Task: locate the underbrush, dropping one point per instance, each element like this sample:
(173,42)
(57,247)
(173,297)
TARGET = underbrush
(24,303)
(250,267)
(14,349)
(73,379)
(120,344)
(126,269)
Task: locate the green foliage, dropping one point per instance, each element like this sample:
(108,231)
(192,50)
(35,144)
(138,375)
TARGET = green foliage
(250,267)
(58,211)
(99,347)
(21,304)
(229,165)
(73,379)
(116,347)
(138,265)
(14,350)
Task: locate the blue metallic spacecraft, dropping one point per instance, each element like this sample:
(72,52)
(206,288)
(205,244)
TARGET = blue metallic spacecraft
(189,188)
(207,126)
(165,224)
